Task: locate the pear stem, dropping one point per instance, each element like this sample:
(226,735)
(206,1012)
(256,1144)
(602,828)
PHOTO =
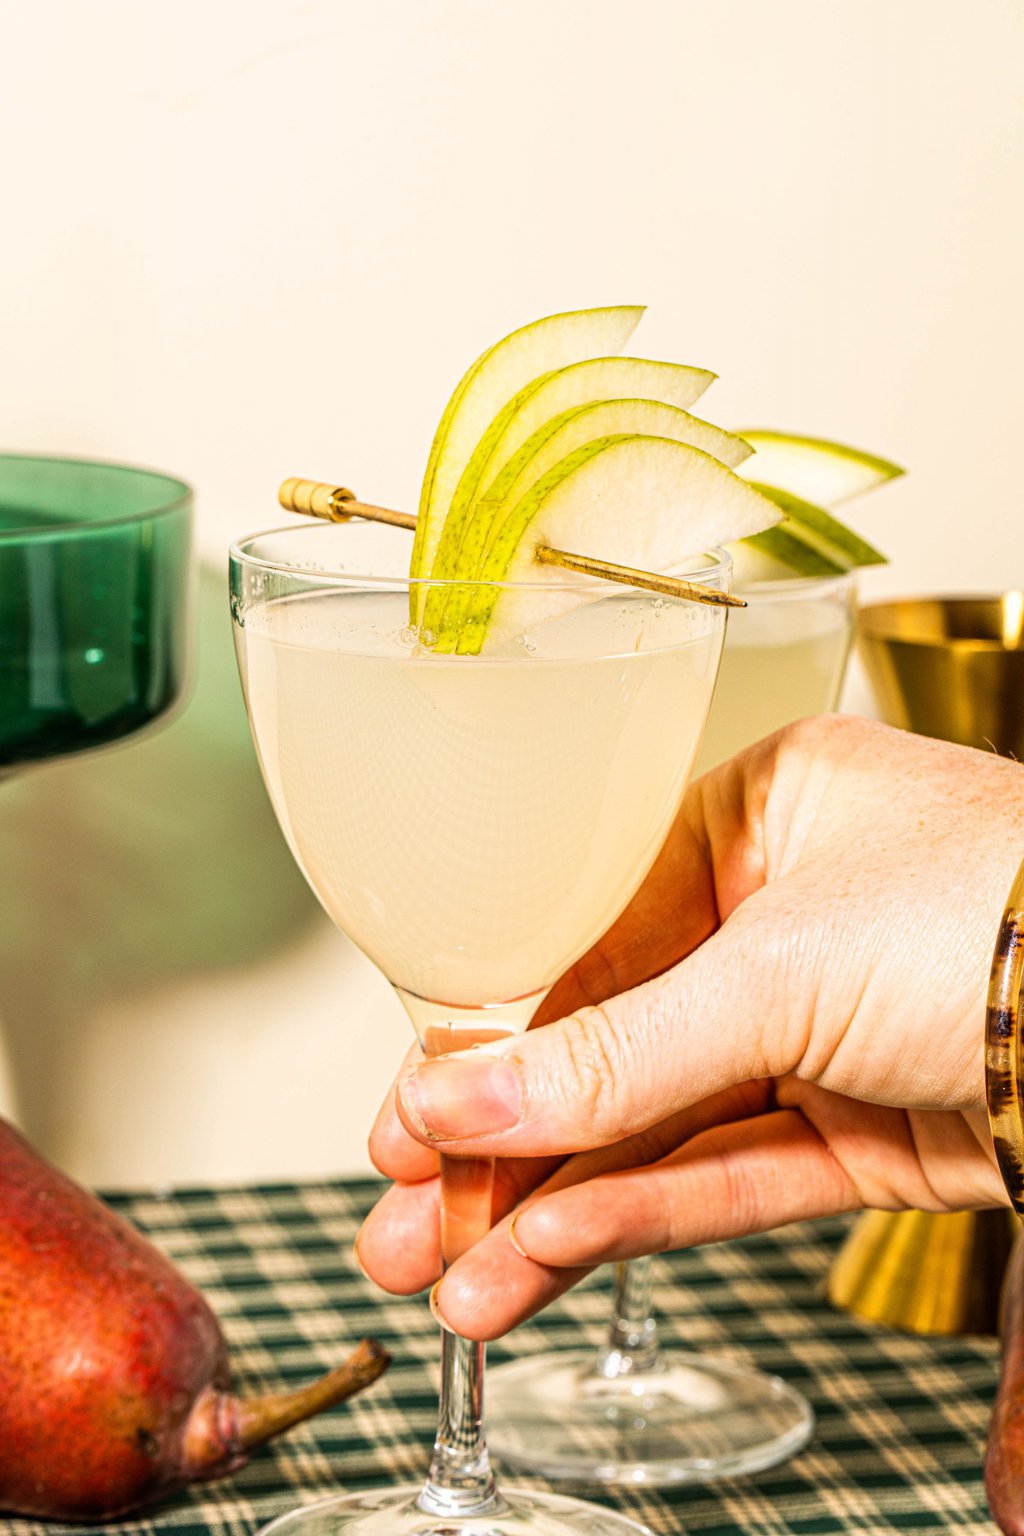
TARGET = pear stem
(259,1418)
(338,505)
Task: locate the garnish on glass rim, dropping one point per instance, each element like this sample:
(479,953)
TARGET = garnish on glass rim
(336,504)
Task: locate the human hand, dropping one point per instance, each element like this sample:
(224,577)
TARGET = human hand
(819,929)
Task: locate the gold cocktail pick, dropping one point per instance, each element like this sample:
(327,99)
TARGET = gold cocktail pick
(337,505)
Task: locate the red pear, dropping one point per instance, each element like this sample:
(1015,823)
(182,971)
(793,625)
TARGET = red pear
(114,1375)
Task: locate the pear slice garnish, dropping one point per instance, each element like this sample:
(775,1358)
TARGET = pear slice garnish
(554,441)
(644,502)
(804,476)
(811,542)
(490,385)
(591,380)
(562,435)
(820,472)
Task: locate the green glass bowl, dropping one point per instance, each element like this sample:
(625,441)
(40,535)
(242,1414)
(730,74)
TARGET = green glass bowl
(94,587)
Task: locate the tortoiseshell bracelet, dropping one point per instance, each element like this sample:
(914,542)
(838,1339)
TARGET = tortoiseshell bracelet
(1003,1053)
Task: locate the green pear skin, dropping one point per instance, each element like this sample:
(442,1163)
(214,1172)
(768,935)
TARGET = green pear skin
(115,1385)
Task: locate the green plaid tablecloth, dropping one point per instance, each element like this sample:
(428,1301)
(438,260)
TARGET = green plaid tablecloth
(901,1420)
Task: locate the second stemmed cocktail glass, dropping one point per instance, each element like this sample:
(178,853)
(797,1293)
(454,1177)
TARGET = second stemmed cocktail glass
(785,658)
(474,823)
(636,1413)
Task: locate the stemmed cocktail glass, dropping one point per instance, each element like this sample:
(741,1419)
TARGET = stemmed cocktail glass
(474,823)
(94,581)
(636,1412)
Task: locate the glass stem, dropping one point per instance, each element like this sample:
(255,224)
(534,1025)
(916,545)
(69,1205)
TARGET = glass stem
(632,1343)
(460,1481)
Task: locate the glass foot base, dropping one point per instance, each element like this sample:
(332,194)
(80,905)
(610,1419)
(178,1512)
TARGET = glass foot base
(691,1419)
(393,1512)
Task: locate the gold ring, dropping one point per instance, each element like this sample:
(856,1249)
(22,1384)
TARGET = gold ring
(1003,1064)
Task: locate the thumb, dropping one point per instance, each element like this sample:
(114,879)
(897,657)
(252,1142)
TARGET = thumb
(609,1071)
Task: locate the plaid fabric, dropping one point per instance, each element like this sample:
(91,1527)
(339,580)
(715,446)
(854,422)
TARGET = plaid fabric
(901,1420)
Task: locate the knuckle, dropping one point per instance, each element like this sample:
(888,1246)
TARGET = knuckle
(814,732)
(792,945)
(744,1199)
(591,1078)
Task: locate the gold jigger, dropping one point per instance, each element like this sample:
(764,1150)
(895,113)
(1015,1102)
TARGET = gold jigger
(925,1272)
(950,667)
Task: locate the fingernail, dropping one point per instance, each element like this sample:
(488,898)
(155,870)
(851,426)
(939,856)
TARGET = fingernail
(435,1309)
(462,1096)
(516,1244)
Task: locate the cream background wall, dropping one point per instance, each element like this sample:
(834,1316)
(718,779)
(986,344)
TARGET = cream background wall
(241,240)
